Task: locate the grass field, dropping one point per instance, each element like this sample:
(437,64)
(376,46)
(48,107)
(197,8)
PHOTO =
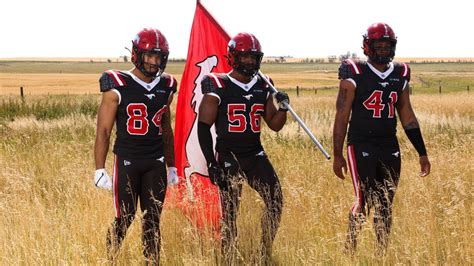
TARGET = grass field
(52,214)
(82,77)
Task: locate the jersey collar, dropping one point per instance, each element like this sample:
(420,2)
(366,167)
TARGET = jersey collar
(382,75)
(146,86)
(244,86)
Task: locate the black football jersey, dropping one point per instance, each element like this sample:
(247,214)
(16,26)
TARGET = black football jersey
(140,111)
(373,116)
(241,107)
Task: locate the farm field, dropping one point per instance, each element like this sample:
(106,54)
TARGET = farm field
(52,214)
(64,77)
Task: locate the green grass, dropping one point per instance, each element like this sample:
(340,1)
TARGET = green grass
(177,67)
(74,67)
(48,107)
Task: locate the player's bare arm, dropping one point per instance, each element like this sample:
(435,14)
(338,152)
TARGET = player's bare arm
(168,136)
(275,119)
(344,101)
(405,111)
(208,109)
(105,123)
(412,129)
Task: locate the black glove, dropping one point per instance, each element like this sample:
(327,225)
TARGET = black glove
(216,174)
(282,97)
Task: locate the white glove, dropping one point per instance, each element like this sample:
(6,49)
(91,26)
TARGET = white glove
(172,176)
(102,179)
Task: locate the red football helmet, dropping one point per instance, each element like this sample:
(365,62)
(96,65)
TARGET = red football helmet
(244,44)
(150,40)
(379,32)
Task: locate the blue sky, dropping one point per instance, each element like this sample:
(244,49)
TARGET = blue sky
(102,28)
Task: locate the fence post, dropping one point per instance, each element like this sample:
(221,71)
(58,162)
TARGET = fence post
(297,91)
(21,92)
(439,89)
(467,88)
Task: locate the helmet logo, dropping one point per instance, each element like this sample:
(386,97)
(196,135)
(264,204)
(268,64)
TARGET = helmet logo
(232,44)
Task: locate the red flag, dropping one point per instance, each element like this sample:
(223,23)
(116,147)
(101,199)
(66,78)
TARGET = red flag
(206,51)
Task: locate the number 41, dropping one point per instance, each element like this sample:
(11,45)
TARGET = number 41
(374,103)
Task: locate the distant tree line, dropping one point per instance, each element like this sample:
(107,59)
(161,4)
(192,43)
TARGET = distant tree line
(329,59)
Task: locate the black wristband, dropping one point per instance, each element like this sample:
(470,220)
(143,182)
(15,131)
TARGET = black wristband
(282,110)
(414,135)
(206,143)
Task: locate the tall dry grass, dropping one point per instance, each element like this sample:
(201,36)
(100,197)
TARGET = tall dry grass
(52,214)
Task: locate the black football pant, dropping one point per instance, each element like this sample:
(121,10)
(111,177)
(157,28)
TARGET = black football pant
(375,171)
(133,180)
(260,175)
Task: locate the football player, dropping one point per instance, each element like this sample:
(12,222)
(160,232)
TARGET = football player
(371,93)
(235,104)
(138,102)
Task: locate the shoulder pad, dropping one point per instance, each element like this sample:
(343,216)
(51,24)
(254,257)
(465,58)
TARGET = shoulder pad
(263,83)
(404,70)
(349,68)
(211,82)
(169,81)
(111,79)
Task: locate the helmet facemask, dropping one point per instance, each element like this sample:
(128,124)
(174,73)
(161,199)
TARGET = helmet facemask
(140,63)
(374,54)
(246,69)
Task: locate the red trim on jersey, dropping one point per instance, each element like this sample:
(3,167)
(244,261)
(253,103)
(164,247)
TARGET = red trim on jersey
(405,70)
(170,82)
(355,67)
(217,80)
(356,207)
(116,77)
(115,180)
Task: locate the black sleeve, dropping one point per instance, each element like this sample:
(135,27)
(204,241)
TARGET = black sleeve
(415,137)
(206,143)
(106,82)
(346,71)
(207,85)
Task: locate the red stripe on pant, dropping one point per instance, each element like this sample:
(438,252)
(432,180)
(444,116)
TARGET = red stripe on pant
(356,207)
(115,180)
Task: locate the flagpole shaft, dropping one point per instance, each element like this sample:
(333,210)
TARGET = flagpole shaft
(297,118)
